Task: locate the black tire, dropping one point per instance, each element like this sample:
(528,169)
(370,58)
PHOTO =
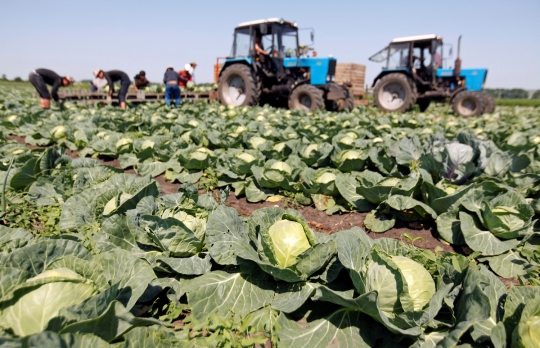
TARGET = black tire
(399,88)
(490,103)
(306,97)
(468,104)
(423,104)
(238,86)
(346,104)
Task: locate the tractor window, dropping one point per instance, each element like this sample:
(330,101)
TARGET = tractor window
(288,45)
(267,42)
(399,56)
(243,44)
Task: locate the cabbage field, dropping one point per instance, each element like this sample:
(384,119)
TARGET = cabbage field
(92,256)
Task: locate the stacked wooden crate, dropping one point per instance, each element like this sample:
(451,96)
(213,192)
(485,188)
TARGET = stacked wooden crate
(354,74)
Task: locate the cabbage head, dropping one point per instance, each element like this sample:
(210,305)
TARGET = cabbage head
(41,298)
(124,145)
(58,132)
(390,284)
(289,240)
(282,167)
(527,333)
(350,160)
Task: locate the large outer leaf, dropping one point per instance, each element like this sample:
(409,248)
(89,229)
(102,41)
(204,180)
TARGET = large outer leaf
(172,235)
(132,274)
(343,328)
(507,265)
(114,322)
(353,247)
(449,227)
(404,204)
(227,237)
(483,241)
(37,257)
(228,294)
(346,185)
(193,265)
(10,278)
(291,296)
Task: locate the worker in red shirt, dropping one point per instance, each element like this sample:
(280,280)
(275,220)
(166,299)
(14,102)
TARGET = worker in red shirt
(185,75)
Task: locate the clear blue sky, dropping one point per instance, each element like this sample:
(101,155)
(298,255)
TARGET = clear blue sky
(76,36)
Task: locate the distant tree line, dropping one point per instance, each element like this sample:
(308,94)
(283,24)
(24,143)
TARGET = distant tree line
(514,93)
(4,78)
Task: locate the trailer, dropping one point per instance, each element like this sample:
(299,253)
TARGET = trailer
(88,97)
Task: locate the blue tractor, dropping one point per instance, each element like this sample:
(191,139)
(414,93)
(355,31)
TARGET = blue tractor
(268,65)
(409,78)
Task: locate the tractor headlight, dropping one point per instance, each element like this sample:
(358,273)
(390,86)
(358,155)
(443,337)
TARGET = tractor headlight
(327,78)
(333,78)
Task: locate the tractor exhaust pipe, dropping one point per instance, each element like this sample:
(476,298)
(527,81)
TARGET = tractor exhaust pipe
(457,64)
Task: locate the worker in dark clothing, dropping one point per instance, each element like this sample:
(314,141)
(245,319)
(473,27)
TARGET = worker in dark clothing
(171,80)
(141,81)
(112,76)
(40,78)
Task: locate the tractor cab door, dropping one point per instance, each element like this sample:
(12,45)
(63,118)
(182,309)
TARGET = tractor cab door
(426,59)
(265,36)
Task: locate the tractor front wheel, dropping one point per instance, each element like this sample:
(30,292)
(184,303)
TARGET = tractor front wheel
(490,103)
(306,97)
(394,92)
(468,104)
(346,104)
(238,86)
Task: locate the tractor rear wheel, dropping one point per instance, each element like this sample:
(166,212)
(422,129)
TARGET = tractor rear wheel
(238,86)
(394,92)
(306,97)
(490,103)
(468,104)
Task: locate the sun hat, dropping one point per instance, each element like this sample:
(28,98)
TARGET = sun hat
(96,72)
(70,79)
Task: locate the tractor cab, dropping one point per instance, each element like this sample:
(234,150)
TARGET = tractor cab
(414,74)
(419,56)
(266,43)
(267,64)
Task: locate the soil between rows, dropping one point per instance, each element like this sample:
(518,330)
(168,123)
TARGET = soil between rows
(424,235)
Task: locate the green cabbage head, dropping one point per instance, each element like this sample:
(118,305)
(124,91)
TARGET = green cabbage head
(289,240)
(389,284)
(527,333)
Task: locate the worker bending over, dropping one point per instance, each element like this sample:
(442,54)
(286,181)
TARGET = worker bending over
(141,81)
(40,78)
(112,76)
(171,80)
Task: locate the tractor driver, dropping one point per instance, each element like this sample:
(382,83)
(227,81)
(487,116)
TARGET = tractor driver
(264,57)
(436,59)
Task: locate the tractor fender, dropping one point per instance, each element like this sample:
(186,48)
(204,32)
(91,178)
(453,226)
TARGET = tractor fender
(454,93)
(384,73)
(232,62)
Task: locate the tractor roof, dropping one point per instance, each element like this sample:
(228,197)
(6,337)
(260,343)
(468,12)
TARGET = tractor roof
(417,38)
(268,20)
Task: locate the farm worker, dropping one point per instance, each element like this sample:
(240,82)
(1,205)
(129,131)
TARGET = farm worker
(141,81)
(185,75)
(112,76)
(40,78)
(97,83)
(192,70)
(171,80)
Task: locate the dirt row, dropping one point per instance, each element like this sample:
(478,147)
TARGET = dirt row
(423,235)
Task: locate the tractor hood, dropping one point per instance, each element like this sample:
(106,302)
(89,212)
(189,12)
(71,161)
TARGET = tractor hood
(474,78)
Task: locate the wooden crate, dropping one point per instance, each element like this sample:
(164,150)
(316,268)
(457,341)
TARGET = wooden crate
(354,74)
